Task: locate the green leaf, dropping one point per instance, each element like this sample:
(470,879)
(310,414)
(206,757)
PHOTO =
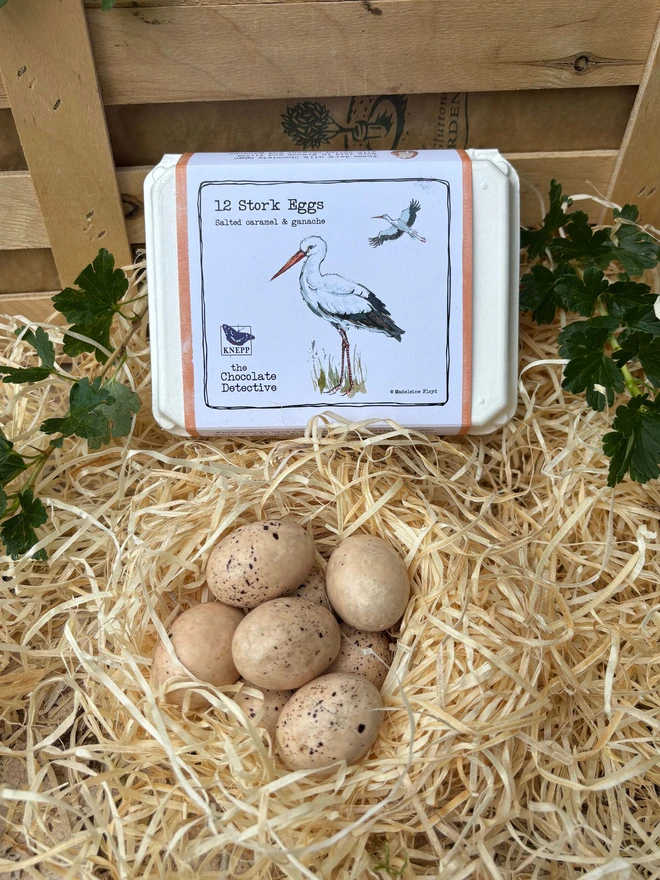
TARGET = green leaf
(91,308)
(645,349)
(635,250)
(537,240)
(11,462)
(581,294)
(18,533)
(539,291)
(85,417)
(588,364)
(583,244)
(634,444)
(3,502)
(41,342)
(21,375)
(107,4)
(3,2)
(125,404)
(58,442)
(633,304)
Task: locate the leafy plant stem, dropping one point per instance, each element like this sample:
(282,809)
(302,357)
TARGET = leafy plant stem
(631,383)
(121,350)
(39,467)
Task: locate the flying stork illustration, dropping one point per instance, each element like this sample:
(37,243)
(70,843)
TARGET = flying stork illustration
(344,303)
(398,227)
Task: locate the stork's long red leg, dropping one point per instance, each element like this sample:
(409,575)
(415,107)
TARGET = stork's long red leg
(344,341)
(346,347)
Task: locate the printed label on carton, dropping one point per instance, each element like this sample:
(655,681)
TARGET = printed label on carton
(325,282)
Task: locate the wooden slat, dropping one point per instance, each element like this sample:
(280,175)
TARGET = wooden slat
(59,116)
(33,306)
(266,50)
(22,223)
(579,172)
(19,210)
(636,176)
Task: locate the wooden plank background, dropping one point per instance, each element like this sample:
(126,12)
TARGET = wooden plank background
(59,116)
(263,50)
(636,176)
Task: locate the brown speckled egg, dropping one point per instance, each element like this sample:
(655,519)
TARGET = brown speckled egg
(313,588)
(357,651)
(258,562)
(285,643)
(334,718)
(367,583)
(263,710)
(201,638)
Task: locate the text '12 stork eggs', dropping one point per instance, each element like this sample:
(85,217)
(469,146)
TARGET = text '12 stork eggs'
(201,639)
(258,562)
(367,583)
(285,643)
(334,718)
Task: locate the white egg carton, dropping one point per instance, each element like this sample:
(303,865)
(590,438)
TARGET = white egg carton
(273,274)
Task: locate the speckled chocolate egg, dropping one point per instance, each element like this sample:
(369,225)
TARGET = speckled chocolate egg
(258,562)
(334,718)
(313,588)
(367,583)
(363,653)
(285,643)
(264,708)
(201,638)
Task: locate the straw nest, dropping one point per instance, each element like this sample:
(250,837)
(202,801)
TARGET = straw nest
(520,737)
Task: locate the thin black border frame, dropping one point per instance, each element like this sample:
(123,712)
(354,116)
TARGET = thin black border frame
(324,404)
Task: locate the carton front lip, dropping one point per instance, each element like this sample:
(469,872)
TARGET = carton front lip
(296,258)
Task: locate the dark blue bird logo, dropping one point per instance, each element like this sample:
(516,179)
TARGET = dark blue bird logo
(236,335)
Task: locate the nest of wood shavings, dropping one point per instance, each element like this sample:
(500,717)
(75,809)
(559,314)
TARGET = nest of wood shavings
(520,737)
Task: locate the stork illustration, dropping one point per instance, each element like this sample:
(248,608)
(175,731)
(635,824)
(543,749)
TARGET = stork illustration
(344,303)
(398,227)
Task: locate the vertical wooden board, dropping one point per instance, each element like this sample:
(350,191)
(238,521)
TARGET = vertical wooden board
(48,71)
(636,176)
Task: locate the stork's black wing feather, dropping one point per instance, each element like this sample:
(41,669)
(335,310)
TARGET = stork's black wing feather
(376,318)
(412,211)
(382,237)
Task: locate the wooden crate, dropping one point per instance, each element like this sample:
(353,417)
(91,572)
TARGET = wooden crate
(89,100)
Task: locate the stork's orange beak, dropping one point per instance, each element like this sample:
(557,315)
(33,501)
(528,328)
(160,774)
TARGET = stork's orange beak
(378,217)
(296,258)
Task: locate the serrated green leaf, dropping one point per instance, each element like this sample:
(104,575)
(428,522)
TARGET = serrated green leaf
(41,342)
(581,294)
(11,462)
(539,291)
(592,333)
(583,244)
(635,249)
(120,412)
(628,212)
(588,365)
(84,418)
(536,240)
(3,502)
(92,306)
(18,533)
(634,444)
(21,375)
(645,349)
(58,442)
